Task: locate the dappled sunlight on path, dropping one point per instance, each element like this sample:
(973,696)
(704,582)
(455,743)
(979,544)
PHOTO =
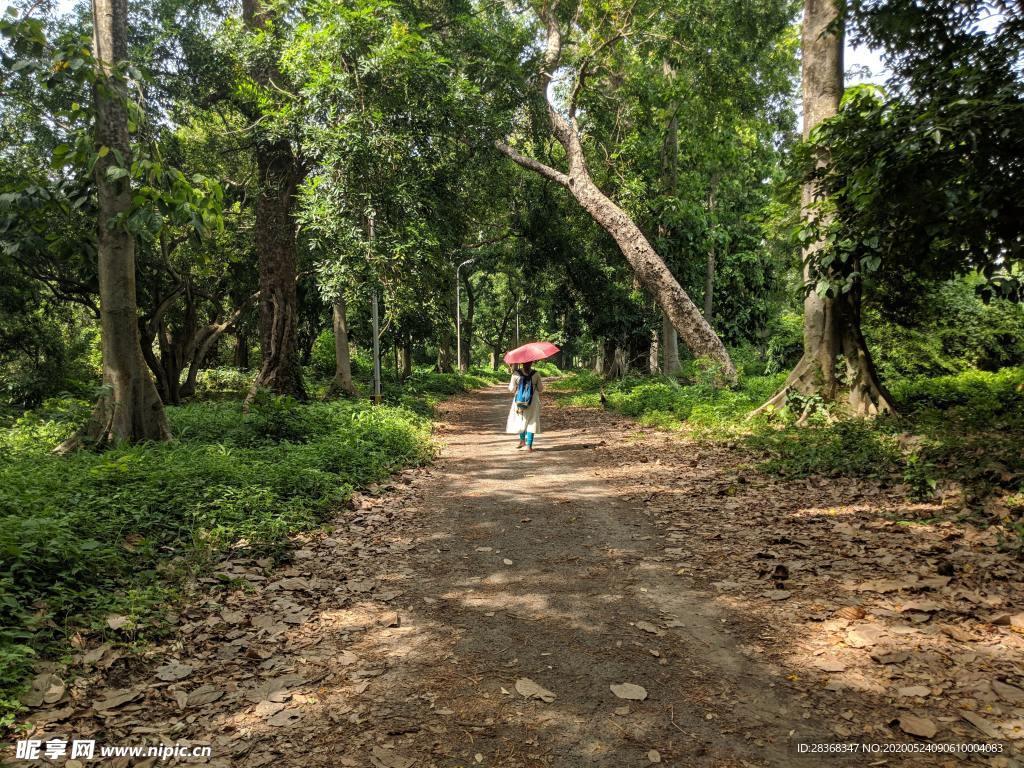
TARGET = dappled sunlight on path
(608,555)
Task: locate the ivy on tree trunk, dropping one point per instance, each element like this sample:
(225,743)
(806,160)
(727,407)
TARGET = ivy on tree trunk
(836,364)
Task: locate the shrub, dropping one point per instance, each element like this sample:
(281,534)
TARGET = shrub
(785,343)
(322,359)
(850,447)
(89,533)
(213,383)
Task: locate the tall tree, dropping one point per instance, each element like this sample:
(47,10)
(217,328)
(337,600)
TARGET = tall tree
(279,173)
(647,264)
(836,364)
(129,408)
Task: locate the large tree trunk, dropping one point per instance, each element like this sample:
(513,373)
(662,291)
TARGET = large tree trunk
(279,173)
(446,358)
(129,408)
(619,365)
(241,349)
(648,266)
(832,335)
(670,345)
(406,370)
(342,381)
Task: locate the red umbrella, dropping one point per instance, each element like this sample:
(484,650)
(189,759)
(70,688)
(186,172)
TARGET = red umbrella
(529,353)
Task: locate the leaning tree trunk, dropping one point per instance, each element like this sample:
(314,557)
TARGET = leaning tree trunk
(836,364)
(129,408)
(342,381)
(279,173)
(648,267)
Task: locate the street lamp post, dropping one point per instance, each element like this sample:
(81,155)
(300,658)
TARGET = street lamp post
(458,314)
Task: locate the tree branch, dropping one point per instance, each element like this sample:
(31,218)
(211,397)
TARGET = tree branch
(534,165)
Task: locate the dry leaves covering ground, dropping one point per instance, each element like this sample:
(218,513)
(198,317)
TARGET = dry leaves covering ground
(618,597)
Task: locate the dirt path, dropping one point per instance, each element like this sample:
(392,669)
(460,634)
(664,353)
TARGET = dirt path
(397,639)
(536,567)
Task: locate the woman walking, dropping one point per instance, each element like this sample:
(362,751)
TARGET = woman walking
(524,415)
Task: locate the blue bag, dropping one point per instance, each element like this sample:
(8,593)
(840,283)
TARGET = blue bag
(524,393)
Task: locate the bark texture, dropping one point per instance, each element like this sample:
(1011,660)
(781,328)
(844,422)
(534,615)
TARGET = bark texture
(653,361)
(836,364)
(648,266)
(279,174)
(342,382)
(670,345)
(129,408)
(406,367)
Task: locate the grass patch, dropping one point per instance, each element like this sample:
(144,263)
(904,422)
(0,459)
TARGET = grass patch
(966,427)
(117,532)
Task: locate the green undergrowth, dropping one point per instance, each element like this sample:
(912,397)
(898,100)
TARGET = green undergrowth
(658,401)
(966,427)
(93,534)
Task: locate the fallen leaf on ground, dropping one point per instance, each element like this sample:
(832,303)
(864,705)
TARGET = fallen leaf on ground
(118,698)
(914,690)
(285,717)
(646,626)
(46,688)
(1008,692)
(629,691)
(980,723)
(390,758)
(865,636)
(204,694)
(890,656)
(526,687)
(267,708)
(917,726)
(851,612)
(117,621)
(92,657)
(173,671)
(654,756)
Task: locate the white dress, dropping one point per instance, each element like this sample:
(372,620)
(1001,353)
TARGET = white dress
(529,420)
